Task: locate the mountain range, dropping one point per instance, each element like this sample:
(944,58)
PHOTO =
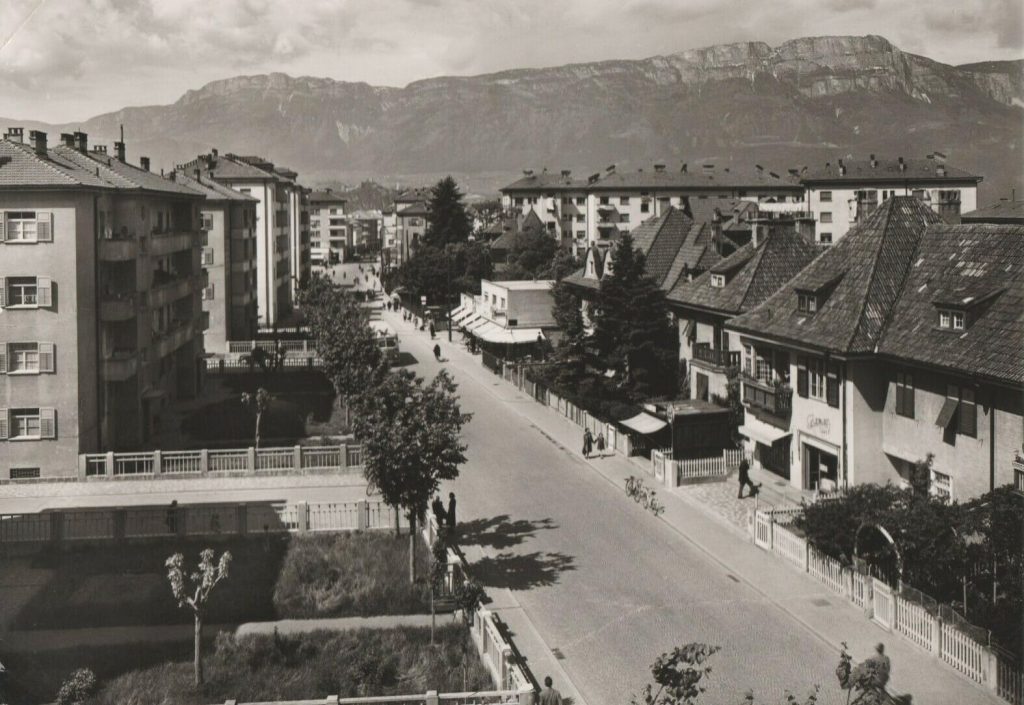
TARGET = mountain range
(804,101)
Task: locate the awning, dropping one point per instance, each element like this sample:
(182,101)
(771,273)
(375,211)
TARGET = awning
(644,423)
(463,316)
(474,322)
(486,329)
(761,432)
(455,313)
(946,415)
(509,335)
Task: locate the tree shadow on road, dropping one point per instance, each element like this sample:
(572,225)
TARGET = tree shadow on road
(404,360)
(500,532)
(521,571)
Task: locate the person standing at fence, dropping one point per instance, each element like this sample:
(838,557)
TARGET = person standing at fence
(451,510)
(550,696)
(600,444)
(744,478)
(172,517)
(588,443)
(437,506)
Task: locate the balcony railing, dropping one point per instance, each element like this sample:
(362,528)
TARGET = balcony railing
(777,401)
(118,249)
(119,306)
(166,291)
(120,364)
(703,352)
(172,339)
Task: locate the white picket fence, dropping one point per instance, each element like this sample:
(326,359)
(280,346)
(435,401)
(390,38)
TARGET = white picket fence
(683,471)
(887,608)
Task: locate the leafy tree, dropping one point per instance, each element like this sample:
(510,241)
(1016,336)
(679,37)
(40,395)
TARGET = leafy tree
(470,262)
(411,442)
(632,327)
(447,220)
(257,403)
(78,688)
(193,591)
(679,676)
(469,596)
(427,273)
(488,212)
(532,255)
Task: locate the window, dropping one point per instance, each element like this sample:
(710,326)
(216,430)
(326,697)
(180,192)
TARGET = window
(24,473)
(816,378)
(518,201)
(624,218)
(581,234)
(825,238)
(503,302)
(604,200)
(905,394)
(748,355)
(941,485)
(25,292)
(624,201)
(826,196)
(26,358)
(718,280)
(26,226)
(207,256)
(207,220)
(245,190)
(580,218)
(581,201)
(826,217)
(807,303)
(208,293)
(951,320)
(645,207)
(27,424)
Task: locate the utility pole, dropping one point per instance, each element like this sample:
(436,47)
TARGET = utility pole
(448,295)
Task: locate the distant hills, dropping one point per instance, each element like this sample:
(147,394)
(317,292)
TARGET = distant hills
(807,100)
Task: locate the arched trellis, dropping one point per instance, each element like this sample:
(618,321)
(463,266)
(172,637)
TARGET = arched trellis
(887,536)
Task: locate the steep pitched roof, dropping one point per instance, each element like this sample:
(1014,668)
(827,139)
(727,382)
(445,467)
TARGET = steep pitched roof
(121,174)
(998,212)
(21,166)
(887,170)
(752,274)
(211,189)
(229,167)
(546,180)
(326,197)
(858,281)
(980,268)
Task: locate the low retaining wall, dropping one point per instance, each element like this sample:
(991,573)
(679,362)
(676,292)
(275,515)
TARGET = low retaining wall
(431,697)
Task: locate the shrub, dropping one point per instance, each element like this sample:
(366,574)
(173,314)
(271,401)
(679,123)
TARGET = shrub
(79,687)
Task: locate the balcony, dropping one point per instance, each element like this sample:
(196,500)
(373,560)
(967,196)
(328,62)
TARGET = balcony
(115,307)
(119,250)
(718,359)
(120,365)
(774,402)
(166,291)
(166,242)
(174,338)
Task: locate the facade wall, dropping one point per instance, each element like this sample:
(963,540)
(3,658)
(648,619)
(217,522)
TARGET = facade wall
(528,308)
(229,259)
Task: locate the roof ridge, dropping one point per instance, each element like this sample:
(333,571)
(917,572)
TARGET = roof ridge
(887,206)
(755,262)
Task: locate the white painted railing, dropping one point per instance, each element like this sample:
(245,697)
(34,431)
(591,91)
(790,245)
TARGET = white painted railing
(24,528)
(514,696)
(790,546)
(1009,682)
(963,653)
(917,624)
(828,571)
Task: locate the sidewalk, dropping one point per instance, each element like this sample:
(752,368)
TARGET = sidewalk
(823,614)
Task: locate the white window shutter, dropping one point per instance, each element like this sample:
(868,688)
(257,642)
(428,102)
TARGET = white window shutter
(3,226)
(44,292)
(3,358)
(47,357)
(44,226)
(4,425)
(3,292)
(47,422)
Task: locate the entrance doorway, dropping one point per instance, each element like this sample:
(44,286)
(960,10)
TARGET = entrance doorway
(821,469)
(702,386)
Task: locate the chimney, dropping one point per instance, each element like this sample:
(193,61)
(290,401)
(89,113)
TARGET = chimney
(38,140)
(874,162)
(759,230)
(15,134)
(100,149)
(566,173)
(173,176)
(903,166)
(527,172)
(82,142)
(610,168)
(685,167)
(197,174)
(940,170)
(659,168)
(759,168)
(119,151)
(144,163)
(842,168)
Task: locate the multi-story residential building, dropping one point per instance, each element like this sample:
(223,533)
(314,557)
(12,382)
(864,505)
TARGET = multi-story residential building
(100,282)
(389,238)
(328,226)
(594,210)
(900,342)
(365,226)
(845,192)
(300,257)
(779,248)
(411,216)
(229,260)
(255,177)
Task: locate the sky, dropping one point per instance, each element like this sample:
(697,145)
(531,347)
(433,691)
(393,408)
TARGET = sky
(67,60)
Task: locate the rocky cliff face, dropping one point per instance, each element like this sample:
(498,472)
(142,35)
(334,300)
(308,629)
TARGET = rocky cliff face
(807,99)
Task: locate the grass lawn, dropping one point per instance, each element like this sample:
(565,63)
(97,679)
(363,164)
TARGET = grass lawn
(264,667)
(272,577)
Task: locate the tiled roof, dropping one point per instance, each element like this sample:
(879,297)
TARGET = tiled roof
(697,177)
(864,273)
(326,197)
(547,180)
(211,189)
(979,264)
(227,167)
(999,212)
(887,170)
(422,193)
(416,209)
(752,274)
(121,174)
(21,166)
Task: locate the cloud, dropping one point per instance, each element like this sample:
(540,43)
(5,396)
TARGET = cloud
(72,58)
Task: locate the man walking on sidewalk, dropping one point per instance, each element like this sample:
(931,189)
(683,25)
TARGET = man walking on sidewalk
(549,696)
(744,477)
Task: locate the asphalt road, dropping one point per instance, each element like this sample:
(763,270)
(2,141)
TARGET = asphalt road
(606,585)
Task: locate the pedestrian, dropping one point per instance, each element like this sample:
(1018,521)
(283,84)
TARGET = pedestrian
(437,352)
(588,443)
(744,478)
(437,506)
(550,696)
(880,666)
(431,330)
(172,517)
(451,510)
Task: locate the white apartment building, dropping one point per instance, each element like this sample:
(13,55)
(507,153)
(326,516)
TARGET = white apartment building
(328,226)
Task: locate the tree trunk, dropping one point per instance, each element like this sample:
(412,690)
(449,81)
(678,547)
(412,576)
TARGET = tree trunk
(412,547)
(398,519)
(198,656)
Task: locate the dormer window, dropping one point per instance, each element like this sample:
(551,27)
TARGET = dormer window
(718,281)
(807,303)
(950,319)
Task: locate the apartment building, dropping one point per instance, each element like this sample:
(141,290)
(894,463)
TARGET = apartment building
(842,193)
(596,209)
(100,283)
(778,250)
(411,215)
(229,260)
(328,226)
(899,342)
(365,226)
(255,177)
(300,251)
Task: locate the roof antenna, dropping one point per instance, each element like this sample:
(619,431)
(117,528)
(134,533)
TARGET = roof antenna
(122,133)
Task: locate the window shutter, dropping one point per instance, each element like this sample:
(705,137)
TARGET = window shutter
(47,359)
(801,377)
(44,227)
(47,422)
(207,255)
(4,425)
(3,358)
(899,393)
(908,397)
(3,226)
(968,416)
(832,388)
(3,292)
(44,292)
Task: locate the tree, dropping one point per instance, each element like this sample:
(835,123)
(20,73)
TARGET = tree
(77,689)
(679,675)
(488,212)
(469,595)
(193,591)
(532,254)
(257,403)
(410,434)
(447,220)
(633,330)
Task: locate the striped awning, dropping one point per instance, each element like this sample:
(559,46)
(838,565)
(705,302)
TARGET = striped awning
(497,334)
(644,423)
